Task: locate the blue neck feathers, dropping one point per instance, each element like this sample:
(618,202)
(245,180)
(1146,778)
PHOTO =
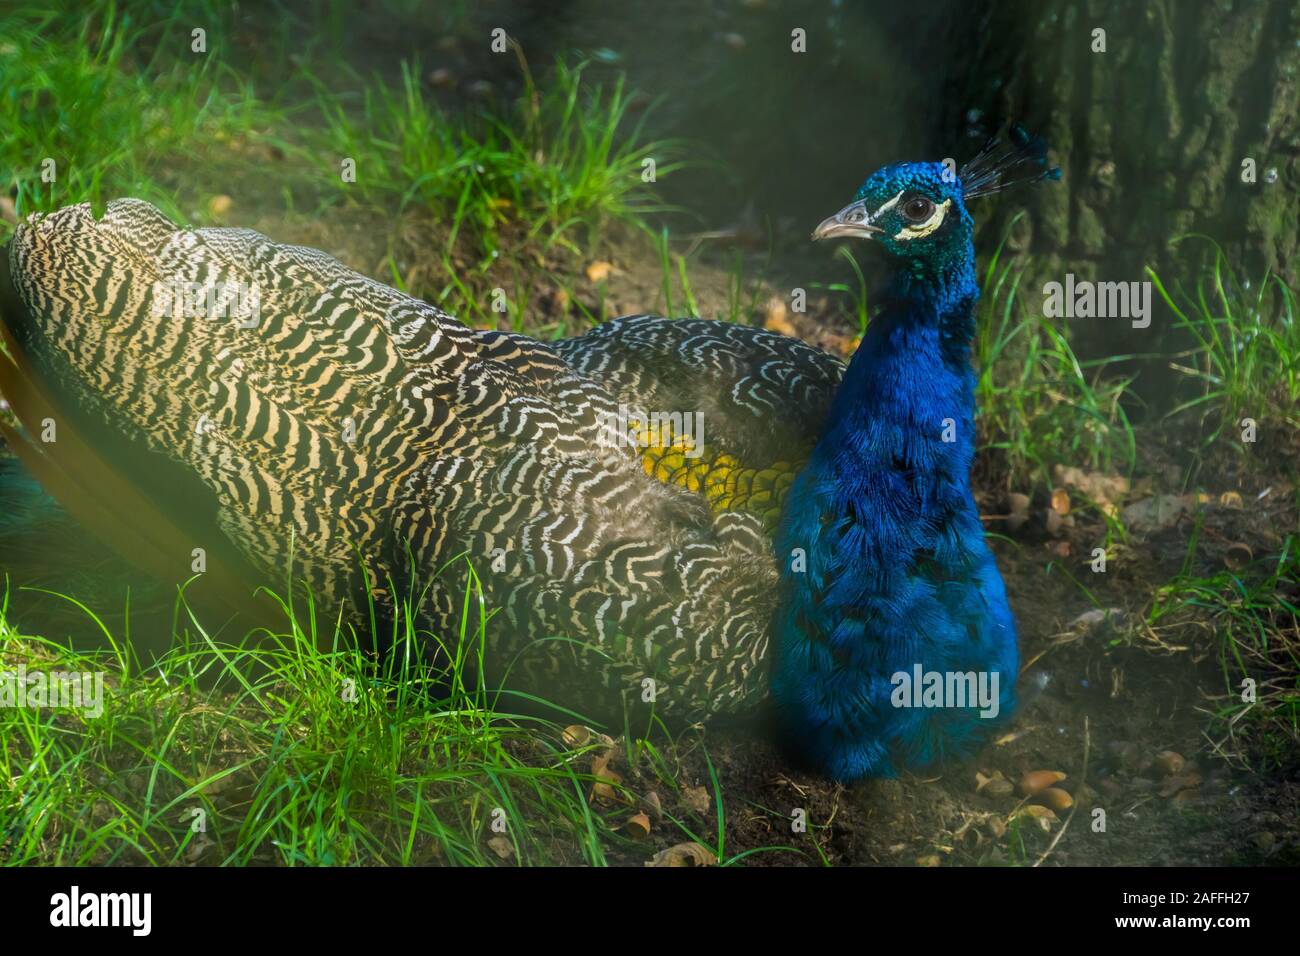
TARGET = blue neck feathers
(884,564)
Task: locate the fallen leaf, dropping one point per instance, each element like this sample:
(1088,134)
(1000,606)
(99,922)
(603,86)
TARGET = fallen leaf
(780,325)
(1061,501)
(608,786)
(599,270)
(697,798)
(638,826)
(1041,815)
(653,805)
(1158,511)
(684,854)
(1096,617)
(501,846)
(1096,487)
(1012,737)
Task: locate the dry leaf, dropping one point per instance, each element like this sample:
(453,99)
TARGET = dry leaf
(684,854)
(842,345)
(501,846)
(1041,815)
(608,786)
(653,805)
(1096,487)
(1158,511)
(1095,618)
(218,206)
(1061,501)
(1012,738)
(599,270)
(697,798)
(781,325)
(638,826)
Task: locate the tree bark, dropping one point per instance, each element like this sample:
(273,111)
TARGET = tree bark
(1152,133)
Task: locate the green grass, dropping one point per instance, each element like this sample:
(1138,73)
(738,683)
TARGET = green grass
(1245,358)
(1253,617)
(286,765)
(119,103)
(295,747)
(546,176)
(83,97)
(1039,405)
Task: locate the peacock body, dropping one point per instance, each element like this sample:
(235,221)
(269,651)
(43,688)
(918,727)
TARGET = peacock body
(294,417)
(349,424)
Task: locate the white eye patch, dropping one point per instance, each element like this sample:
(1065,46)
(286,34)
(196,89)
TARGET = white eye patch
(922,229)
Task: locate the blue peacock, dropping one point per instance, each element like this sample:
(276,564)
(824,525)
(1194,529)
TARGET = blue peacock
(217,392)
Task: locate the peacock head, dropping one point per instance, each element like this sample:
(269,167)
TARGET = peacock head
(917,211)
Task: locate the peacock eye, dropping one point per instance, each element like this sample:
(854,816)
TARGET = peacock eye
(918,209)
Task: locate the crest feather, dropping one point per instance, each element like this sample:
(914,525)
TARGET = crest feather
(1018,159)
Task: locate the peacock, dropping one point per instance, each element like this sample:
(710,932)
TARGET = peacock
(685,514)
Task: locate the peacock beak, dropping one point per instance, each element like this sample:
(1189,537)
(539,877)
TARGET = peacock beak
(854,221)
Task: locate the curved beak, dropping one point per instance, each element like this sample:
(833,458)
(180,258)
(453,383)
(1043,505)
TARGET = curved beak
(853,221)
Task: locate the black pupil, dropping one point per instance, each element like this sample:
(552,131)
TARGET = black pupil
(917,208)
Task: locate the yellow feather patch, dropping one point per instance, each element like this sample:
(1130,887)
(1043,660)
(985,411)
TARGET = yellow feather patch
(724,481)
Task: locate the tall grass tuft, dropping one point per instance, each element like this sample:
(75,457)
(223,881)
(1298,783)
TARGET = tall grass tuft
(84,117)
(1038,404)
(1245,356)
(298,749)
(560,160)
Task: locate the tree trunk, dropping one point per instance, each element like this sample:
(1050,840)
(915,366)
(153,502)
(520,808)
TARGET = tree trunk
(1152,133)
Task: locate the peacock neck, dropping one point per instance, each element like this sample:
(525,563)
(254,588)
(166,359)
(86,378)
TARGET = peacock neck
(888,483)
(907,397)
